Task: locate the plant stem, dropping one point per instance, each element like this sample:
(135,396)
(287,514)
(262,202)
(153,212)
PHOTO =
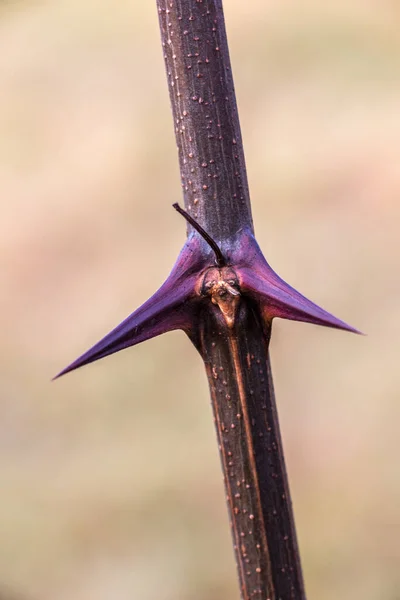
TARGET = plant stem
(205,115)
(230,335)
(256,484)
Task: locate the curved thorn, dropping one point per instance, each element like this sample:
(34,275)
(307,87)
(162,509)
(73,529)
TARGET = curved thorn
(275,297)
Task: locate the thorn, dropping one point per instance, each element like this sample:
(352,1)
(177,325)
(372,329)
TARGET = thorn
(168,309)
(275,297)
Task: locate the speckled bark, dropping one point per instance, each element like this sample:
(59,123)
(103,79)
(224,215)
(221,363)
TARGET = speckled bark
(234,348)
(206,121)
(255,477)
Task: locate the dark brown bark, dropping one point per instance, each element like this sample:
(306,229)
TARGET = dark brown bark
(205,114)
(235,352)
(230,334)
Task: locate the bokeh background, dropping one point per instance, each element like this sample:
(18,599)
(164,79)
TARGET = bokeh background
(110,483)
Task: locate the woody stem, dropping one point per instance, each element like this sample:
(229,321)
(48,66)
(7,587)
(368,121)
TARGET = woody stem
(233,341)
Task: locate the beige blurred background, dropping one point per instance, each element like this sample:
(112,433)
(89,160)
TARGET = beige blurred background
(110,483)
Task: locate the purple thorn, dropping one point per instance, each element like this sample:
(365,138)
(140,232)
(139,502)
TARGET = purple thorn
(275,297)
(168,309)
(174,305)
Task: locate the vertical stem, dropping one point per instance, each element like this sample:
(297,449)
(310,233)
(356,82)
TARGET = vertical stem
(205,114)
(252,458)
(235,352)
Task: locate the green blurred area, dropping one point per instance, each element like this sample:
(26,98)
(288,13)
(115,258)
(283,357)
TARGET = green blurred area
(110,478)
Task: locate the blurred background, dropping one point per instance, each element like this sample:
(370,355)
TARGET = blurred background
(110,478)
